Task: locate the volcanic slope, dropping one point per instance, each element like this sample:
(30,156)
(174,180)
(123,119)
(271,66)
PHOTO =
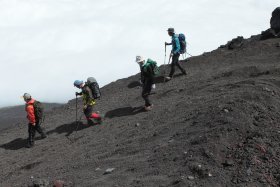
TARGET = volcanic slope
(217,126)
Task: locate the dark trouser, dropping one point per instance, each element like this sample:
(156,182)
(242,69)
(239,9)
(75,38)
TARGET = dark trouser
(88,111)
(90,114)
(175,62)
(147,88)
(32,131)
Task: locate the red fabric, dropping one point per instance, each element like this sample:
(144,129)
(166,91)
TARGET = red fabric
(30,111)
(95,116)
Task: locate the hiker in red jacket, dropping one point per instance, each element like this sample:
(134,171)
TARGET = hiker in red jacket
(34,124)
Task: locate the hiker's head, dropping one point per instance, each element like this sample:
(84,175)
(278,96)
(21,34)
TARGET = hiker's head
(79,83)
(140,60)
(26,97)
(171,31)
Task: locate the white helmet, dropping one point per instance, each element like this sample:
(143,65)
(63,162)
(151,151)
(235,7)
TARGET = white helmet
(139,59)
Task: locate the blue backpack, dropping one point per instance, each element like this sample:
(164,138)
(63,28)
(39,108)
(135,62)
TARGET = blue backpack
(183,43)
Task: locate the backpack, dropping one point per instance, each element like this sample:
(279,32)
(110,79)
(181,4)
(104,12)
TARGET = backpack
(153,65)
(183,43)
(38,110)
(94,87)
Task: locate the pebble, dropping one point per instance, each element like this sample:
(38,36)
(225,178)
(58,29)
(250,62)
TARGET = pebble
(226,110)
(109,171)
(137,124)
(228,163)
(191,177)
(59,183)
(249,172)
(170,141)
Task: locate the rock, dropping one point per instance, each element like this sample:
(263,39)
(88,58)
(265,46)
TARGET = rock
(226,110)
(171,140)
(228,163)
(249,172)
(210,175)
(58,183)
(97,169)
(137,125)
(41,183)
(267,89)
(190,178)
(199,170)
(275,20)
(274,31)
(109,171)
(236,43)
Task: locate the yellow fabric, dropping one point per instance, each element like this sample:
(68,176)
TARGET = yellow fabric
(87,100)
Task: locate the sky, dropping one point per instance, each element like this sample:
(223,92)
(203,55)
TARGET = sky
(47,44)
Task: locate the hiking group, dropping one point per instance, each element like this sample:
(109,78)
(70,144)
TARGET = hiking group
(90,91)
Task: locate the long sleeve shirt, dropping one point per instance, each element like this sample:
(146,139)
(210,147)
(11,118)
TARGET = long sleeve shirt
(30,111)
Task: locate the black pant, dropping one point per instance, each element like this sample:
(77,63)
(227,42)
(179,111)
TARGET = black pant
(88,111)
(175,62)
(147,88)
(32,131)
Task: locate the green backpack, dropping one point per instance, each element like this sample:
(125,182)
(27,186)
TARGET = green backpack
(153,66)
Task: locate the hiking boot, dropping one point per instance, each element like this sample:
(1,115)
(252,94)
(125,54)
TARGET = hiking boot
(94,121)
(148,108)
(184,72)
(29,145)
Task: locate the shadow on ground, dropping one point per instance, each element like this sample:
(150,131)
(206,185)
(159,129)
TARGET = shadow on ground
(17,144)
(125,111)
(69,128)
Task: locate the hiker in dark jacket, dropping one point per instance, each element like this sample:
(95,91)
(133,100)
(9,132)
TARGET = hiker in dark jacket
(89,102)
(147,79)
(34,124)
(175,53)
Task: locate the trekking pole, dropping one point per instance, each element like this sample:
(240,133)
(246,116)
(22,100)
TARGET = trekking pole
(164,61)
(189,54)
(165,67)
(76,109)
(77,124)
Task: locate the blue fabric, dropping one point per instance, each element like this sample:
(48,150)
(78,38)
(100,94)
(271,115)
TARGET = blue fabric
(175,44)
(77,83)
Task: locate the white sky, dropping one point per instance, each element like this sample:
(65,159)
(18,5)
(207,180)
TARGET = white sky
(47,44)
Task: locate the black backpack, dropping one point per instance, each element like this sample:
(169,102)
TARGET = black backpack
(94,87)
(183,43)
(38,110)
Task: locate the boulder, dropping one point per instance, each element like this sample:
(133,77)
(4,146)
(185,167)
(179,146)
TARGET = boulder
(275,20)
(274,31)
